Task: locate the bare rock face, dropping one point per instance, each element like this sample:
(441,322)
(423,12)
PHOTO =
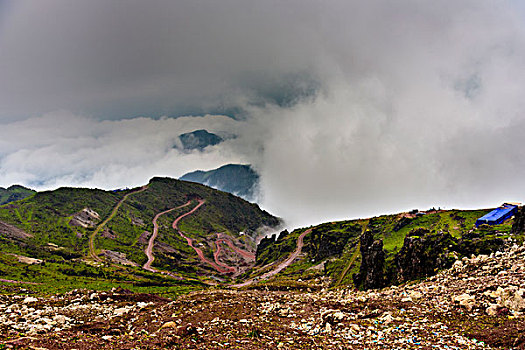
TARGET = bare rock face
(519,221)
(371,274)
(85,218)
(10,231)
(422,255)
(117,257)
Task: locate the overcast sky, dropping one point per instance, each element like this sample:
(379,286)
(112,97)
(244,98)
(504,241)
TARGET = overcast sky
(346,108)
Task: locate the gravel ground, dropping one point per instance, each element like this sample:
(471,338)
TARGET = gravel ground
(477,304)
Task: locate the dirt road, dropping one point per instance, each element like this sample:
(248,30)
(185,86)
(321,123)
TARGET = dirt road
(282,265)
(222,238)
(92,253)
(18,282)
(199,252)
(216,257)
(151,242)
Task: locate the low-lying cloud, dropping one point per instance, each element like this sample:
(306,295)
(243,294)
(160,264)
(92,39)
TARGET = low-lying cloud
(60,149)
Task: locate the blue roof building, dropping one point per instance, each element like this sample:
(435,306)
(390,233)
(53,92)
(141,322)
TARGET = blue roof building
(498,215)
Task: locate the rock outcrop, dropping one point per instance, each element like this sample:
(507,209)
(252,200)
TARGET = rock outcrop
(422,255)
(519,221)
(372,271)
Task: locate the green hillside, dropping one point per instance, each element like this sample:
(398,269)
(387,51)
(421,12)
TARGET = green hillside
(14,193)
(55,227)
(384,250)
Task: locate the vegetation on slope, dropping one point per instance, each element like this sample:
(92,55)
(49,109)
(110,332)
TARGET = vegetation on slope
(14,193)
(57,225)
(383,250)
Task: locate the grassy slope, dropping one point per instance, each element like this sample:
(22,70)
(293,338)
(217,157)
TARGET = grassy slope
(46,216)
(14,193)
(336,244)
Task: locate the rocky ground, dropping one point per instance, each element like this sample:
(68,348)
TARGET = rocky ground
(477,304)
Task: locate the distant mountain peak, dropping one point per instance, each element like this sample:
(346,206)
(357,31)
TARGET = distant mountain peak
(238,179)
(199,139)
(14,193)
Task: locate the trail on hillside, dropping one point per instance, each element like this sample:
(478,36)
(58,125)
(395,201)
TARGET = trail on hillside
(282,265)
(199,252)
(222,238)
(111,216)
(151,242)
(354,256)
(216,257)
(18,282)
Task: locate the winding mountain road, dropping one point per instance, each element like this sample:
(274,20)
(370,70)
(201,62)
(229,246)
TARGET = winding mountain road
(151,242)
(217,262)
(222,238)
(92,253)
(199,252)
(282,265)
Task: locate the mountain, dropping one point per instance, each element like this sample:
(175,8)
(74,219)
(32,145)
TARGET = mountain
(81,235)
(237,179)
(14,193)
(384,250)
(199,139)
(301,293)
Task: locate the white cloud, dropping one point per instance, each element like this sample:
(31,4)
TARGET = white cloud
(61,148)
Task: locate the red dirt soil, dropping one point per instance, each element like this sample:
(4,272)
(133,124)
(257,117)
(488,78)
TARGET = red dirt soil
(222,238)
(282,265)
(199,252)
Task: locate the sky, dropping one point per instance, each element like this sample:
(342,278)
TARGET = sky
(347,109)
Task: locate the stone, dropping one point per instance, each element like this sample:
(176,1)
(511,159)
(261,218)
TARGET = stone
(120,311)
(29,300)
(466,300)
(386,318)
(492,310)
(60,319)
(354,327)
(415,295)
(338,316)
(514,300)
(170,324)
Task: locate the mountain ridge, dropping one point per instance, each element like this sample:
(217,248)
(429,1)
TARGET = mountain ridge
(238,179)
(14,193)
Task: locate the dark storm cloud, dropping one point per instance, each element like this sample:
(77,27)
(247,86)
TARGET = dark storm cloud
(90,56)
(346,108)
